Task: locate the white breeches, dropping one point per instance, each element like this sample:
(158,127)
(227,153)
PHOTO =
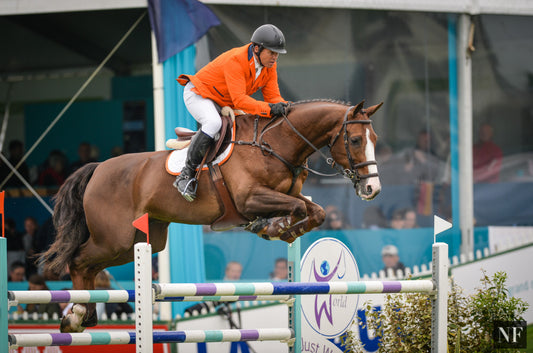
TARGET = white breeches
(203,110)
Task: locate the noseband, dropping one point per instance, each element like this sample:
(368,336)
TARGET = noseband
(353,172)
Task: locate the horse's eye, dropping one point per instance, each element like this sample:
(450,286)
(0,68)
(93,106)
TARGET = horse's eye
(355,140)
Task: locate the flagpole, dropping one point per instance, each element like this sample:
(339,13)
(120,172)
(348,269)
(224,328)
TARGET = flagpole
(163,257)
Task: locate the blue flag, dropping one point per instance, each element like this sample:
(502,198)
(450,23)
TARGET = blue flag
(178,24)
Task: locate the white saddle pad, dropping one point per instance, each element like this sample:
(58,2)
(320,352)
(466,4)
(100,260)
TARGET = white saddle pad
(176,159)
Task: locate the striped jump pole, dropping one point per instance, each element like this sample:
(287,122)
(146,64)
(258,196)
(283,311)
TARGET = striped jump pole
(124,337)
(292,288)
(118,296)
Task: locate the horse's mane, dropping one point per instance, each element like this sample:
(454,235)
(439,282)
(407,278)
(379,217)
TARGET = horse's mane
(324,100)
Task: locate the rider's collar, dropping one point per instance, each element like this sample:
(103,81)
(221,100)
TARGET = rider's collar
(258,66)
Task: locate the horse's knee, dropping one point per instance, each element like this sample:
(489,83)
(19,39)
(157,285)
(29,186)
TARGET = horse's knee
(300,211)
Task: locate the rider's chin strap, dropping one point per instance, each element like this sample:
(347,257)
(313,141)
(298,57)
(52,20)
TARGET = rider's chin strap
(258,54)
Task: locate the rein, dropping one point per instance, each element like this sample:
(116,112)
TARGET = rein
(351,173)
(267,150)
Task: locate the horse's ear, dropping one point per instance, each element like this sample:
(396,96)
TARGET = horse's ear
(358,107)
(371,110)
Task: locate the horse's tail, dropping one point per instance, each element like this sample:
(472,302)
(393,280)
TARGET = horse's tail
(69,221)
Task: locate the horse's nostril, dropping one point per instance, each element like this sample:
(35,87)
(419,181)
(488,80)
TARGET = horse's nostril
(369,189)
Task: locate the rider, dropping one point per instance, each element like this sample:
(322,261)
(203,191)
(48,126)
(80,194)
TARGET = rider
(229,80)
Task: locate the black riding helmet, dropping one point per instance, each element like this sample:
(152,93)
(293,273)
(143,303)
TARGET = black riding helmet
(270,37)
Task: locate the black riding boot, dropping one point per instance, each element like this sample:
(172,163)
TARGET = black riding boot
(186,182)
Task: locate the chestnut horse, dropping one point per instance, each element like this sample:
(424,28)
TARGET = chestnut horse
(95,207)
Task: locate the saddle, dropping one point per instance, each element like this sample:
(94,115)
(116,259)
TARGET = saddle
(230,216)
(185,136)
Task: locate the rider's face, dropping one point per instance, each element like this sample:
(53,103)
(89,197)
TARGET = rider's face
(267,57)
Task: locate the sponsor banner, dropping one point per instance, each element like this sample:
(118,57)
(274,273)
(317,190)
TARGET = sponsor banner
(503,238)
(112,348)
(514,263)
(326,317)
(268,316)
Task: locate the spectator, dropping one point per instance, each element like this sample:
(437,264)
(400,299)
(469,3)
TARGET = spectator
(44,237)
(84,157)
(30,227)
(383,153)
(334,219)
(397,220)
(16,152)
(156,308)
(15,244)
(421,163)
(373,218)
(280,270)
(487,156)
(155,268)
(55,171)
(409,218)
(117,151)
(389,255)
(233,271)
(103,281)
(37,282)
(17,272)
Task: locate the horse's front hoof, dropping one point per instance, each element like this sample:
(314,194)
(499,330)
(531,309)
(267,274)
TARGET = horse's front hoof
(73,322)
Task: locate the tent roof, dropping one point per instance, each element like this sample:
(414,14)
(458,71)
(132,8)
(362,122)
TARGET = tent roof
(48,42)
(474,7)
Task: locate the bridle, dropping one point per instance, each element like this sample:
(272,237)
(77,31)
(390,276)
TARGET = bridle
(351,174)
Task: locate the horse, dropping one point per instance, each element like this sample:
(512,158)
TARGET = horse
(96,205)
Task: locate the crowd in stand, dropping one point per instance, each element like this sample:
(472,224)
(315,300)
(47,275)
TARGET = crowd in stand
(53,172)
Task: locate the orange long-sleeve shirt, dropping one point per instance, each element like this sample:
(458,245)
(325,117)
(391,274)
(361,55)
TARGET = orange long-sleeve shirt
(229,80)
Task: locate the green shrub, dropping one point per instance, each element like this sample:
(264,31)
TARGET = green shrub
(404,323)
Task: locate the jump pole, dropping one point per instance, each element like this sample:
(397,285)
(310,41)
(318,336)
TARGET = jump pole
(439,302)
(118,296)
(295,310)
(143,298)
(125,337)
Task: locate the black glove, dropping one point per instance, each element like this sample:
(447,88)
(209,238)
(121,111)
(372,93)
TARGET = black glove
(278,109)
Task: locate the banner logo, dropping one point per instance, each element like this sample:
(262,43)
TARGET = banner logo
(329,260)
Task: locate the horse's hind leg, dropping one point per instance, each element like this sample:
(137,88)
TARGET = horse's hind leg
(91,258)
(83,315)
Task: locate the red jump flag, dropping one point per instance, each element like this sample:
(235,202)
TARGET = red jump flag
(141,224)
